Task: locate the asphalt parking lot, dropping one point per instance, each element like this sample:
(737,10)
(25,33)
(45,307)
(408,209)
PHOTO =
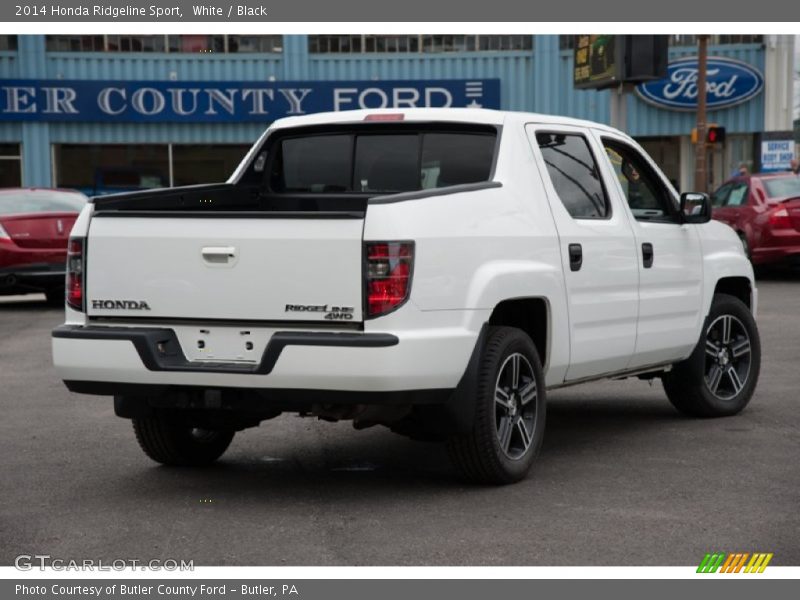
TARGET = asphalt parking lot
(622,479)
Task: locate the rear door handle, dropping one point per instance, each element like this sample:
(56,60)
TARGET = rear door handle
(575,257)
(218,254)
(647,255)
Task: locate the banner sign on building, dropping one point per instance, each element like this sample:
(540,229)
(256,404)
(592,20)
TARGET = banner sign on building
(227,101)
(777,155)
(728,82)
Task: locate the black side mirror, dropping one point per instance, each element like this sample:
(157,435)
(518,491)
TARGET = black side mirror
(695,207)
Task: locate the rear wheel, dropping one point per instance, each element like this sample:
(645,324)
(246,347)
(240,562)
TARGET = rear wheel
(719,378)
(169,441)
(508,427)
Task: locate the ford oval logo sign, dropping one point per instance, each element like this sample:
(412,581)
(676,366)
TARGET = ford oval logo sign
(728,82)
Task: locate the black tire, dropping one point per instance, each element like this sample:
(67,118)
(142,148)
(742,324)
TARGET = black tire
(689,384)
(170,442)
(478,455)
(55,297)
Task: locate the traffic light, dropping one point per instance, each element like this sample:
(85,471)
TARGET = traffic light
(715,135)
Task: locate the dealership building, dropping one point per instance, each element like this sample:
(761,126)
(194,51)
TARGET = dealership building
(103,113)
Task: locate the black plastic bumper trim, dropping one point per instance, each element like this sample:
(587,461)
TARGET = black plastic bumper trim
(255,398)
(159,349)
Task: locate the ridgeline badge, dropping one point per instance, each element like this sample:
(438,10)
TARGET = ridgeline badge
(728,82)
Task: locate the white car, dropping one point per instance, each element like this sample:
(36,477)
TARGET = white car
(435,271)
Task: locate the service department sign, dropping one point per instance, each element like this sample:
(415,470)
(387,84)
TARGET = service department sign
(728,82)
(227,101)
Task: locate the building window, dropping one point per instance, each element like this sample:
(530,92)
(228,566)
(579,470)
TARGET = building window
(205,163)
(255,43)
(98,169)
(8,42)
(135,43)
(567,42)
(10,166)
(356,44)
(105,169)
(184,44)
(715,40)
(324,44)
(197,43)
(75,43)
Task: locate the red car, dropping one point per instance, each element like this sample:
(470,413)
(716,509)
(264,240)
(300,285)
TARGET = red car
(34,230)
(764,209)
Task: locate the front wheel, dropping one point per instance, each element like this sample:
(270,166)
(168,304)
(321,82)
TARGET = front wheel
(720,376)
(171,442)
(508,427)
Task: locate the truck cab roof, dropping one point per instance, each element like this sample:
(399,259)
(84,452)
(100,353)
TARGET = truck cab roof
(482,116)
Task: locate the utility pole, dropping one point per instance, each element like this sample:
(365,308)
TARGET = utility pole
(701,171)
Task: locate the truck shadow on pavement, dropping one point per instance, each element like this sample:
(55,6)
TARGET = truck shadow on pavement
(375,460)
(777,274)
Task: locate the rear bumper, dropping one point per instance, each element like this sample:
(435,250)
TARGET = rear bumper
(31,278)
(776,246)
(111,360)
(780,254)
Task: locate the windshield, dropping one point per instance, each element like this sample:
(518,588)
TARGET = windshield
(40,201)
(782,187)
(383,162)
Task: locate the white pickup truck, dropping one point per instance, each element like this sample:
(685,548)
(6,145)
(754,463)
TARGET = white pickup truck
(431,270)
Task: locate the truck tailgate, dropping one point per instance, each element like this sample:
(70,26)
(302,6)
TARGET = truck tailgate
(263,269)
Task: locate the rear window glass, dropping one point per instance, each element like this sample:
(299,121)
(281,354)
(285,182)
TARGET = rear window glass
(386,163)
(381,162)
(24,202)
(316,164)
(783,187)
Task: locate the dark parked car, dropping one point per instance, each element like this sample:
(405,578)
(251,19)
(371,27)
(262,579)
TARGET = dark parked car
(34,230)
(764,209)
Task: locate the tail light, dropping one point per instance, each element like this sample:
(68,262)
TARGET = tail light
(389,266)
(779,218)
(4,237)
(75,274)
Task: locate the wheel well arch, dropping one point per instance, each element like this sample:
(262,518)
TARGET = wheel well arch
(738,287)
(531,315)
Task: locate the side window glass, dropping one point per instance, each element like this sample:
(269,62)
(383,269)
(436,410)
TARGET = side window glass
(574,174)
(646,195)
(719,197)
(738,195)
